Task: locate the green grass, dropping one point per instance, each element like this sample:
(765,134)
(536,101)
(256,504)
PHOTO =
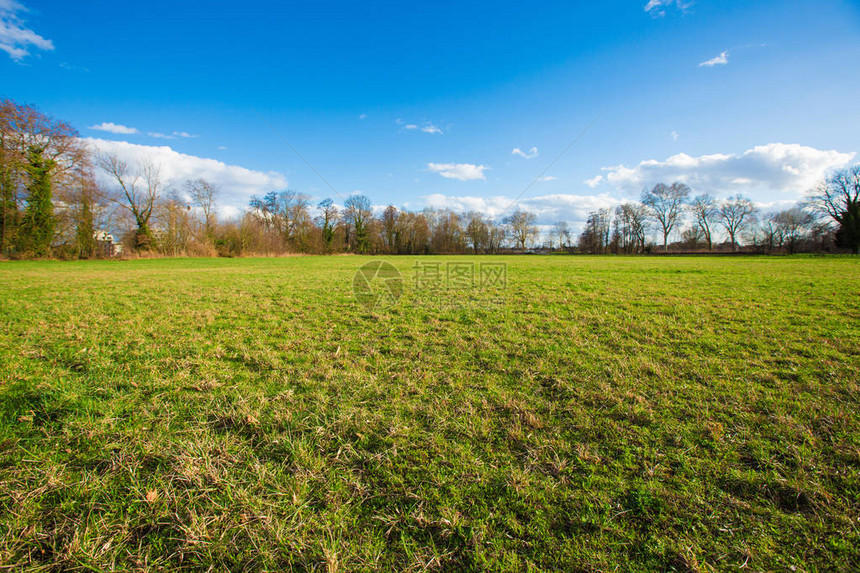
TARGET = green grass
(609,413)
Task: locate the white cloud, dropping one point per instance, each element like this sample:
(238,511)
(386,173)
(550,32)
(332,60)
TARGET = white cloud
(237,184)
(427,127)
(461,171)
(532,153)
(111,127)
(430,128)
(594,181)
(490,206)
(228,212)
(567,207)
(174,135)
(547,178)
(548,208)
(720,60)
(15,38)
(363,116)
(73,68)
(657,8)
(675,135)
(775,206)
(155,134)
(776,167)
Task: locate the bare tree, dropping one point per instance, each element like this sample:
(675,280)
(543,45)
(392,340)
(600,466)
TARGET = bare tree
(838,197)
(477,231)
(285,213)
(522,226)
(495,236)
(327,221)
(203,195)
(358,215)
(175,224)
(447,232)
(137,190)
(389,228)
(772,232)
(416,232)
(595,237)
(561,232)
(704,210)
(733,214)
(693,236)
(631,220)
(86,208)
(792,226)
(666,204)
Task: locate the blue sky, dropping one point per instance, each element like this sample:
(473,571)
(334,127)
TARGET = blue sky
(425,105)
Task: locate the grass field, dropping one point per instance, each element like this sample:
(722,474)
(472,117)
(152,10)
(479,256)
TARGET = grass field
(688,414)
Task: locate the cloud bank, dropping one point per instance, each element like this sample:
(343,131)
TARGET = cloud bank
(788,169)
(237,184)
(548,208)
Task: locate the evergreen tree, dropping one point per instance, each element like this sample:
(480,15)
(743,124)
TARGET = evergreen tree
(37,225)
(848,234)
(9,215)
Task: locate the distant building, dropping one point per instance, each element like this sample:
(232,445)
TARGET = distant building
(106,245)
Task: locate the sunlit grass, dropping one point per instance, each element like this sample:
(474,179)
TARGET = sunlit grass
(647,413)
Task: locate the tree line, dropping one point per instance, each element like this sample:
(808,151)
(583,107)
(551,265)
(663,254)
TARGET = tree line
(826,220)
(62,199)
(58,198)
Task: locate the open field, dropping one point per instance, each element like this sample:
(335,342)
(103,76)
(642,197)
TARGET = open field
(635,413)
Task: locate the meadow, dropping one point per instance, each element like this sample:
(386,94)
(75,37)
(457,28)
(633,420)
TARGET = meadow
(595,414)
